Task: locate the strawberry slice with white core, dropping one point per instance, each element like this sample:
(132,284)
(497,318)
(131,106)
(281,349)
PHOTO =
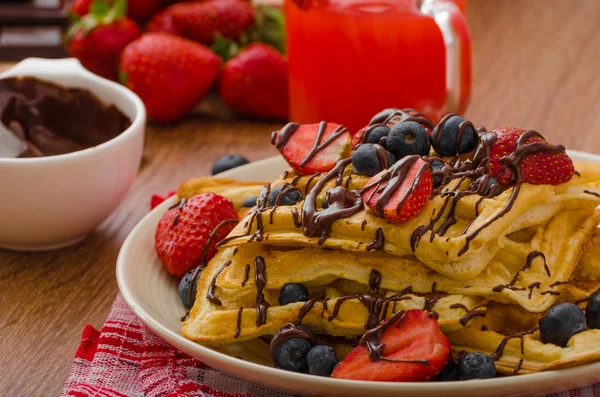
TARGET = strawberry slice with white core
(313,148)
(414,350)
(397,199)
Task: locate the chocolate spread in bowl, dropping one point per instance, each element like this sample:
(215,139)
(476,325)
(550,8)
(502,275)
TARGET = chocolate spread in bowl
(56,120)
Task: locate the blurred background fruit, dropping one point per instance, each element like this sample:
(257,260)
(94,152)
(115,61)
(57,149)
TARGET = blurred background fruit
(170,66)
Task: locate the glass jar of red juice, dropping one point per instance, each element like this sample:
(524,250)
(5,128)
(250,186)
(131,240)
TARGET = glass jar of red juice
(349,59)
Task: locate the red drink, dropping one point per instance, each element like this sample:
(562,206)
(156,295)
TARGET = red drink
(349,59)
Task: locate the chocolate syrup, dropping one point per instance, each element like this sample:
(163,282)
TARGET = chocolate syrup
(592,193)
(536,284)
(518,367)
(550,292)
(246,275)
(238,327)
(210,294)
(257,213)
(362,225)
(498,352)
(470,313)
(379,241)
(181,205)
(342,204)
(285,189)
(296,218)
(532,255)
(557,283)
(484,327)
(261,304)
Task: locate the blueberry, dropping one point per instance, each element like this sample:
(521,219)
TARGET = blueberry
(184,288)
(291,354)
(382,116)
(321,360)
(592,311)
(448,374)
(476,366)
(447,141)
(291,293)
(437,166)
(492,187)
(560,323)
(227,162)
(249,202)
(376,133)
(406,138)
(292,196)
(366,161)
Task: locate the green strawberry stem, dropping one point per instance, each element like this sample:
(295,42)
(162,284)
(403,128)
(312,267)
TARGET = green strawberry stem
(101,13)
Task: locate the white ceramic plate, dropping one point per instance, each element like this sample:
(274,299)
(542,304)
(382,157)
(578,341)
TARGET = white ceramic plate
(152,294)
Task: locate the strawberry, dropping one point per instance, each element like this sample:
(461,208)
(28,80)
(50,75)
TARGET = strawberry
(171,74)
(255,82)
(157,200)
(184,230)
(139,10)
(413,336)
(162,22)
(98,38)
(417,197)
(201,20)
(297,148)
(79,8)
(550,168)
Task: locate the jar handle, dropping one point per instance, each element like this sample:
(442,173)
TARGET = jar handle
(455,31)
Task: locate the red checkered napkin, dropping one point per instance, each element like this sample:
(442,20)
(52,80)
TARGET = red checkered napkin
(126,359)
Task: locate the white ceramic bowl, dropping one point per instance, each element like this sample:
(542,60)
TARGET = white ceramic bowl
(152,294)
(52,202)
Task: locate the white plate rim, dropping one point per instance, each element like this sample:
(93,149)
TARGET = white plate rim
(262,374)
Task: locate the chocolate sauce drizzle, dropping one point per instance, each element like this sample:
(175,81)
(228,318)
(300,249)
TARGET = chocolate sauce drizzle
(181,205)
(246,275)
(238,327)
(500,349)
(210,294)
(372,339)
(261,304)
(592,193)
(379,241)
(470,313)
(532,255)
(341,204)
(257,213)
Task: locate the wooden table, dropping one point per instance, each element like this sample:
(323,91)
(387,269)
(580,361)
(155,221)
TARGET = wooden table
(535,66)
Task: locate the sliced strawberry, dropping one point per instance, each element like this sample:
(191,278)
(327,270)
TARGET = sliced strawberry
(417,199)
(550,168)
(413,336)
(298,148)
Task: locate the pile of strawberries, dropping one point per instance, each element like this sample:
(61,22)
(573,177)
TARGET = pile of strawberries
(173,55)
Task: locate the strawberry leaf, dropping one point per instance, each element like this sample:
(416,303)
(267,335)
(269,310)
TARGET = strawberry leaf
(118,10)
(224,47)
(273,27)
(99,9)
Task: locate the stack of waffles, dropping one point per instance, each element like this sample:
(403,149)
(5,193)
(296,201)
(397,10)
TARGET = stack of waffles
(487,267)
